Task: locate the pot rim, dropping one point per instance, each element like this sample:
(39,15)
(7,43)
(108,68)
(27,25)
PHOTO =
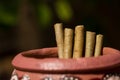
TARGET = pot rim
(110,59)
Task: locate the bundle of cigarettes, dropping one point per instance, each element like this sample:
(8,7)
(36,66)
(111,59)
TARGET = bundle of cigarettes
(85,43)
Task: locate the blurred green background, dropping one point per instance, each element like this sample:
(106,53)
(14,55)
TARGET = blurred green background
(28,24)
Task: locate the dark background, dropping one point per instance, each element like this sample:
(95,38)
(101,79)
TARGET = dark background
(28,24)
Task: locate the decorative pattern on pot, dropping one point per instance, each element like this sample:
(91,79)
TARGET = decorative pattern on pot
(14,77)
(113,76)
(25,77)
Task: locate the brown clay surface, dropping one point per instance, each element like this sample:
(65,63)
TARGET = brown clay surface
(34,60)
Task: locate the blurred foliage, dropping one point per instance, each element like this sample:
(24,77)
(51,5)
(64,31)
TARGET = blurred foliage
(64,10)
(44,14)
(8,12)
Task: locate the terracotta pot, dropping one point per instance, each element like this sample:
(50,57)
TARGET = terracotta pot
(43,64)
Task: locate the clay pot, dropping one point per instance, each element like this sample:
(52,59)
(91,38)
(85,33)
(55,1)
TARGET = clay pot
(43,64)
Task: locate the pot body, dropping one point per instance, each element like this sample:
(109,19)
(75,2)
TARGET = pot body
(43,64)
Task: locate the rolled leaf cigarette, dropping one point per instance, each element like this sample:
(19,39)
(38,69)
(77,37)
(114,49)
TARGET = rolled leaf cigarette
(98,45)
(78,41)
(59,38)
(90,43)
(68,39)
